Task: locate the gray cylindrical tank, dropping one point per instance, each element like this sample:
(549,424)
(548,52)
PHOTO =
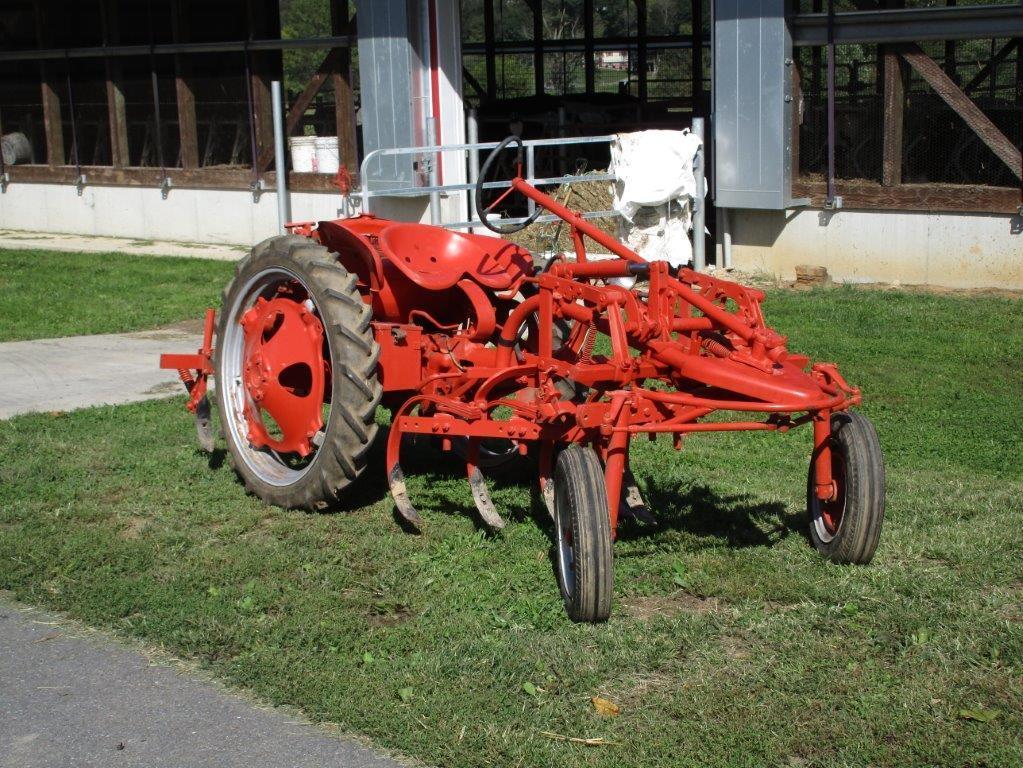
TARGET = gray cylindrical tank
(16,149)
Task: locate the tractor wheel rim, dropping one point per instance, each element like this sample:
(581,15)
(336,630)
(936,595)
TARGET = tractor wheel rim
(268,337)
(828,515)
(566,552)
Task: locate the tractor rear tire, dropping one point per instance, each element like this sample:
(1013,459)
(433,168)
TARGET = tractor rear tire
(582,525)
(847,529)
(354,390)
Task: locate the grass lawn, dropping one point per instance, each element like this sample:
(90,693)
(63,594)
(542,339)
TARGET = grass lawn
(45,294)
(731,642)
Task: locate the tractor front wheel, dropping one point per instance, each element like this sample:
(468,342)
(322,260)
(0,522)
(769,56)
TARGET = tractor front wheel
(583,535)
(846,528)
(297,386)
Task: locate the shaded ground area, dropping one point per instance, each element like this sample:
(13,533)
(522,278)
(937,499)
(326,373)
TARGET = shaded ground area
(731,642)
(73,698)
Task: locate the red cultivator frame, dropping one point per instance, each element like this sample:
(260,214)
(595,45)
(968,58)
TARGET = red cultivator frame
(463,339)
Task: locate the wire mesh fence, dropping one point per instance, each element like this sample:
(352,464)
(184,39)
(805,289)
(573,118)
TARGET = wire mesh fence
(938,146)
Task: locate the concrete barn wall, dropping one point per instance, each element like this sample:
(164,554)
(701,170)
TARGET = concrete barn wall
(187,215)
(912,248)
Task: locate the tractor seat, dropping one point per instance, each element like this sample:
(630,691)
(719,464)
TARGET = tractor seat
(436,258)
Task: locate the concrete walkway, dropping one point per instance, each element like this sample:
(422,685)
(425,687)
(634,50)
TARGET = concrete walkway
(71,697)
(48,241)
(82,371)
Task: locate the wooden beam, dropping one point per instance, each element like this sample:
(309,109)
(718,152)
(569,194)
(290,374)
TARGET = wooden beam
(589,64)
(187,129)
(952,95)
(181,178)
(894,113)
(344,95)
(118,123)
(301,104)
(697,60)
(491,57)
(53,122)
(641,48)
(952,198)
(261,76)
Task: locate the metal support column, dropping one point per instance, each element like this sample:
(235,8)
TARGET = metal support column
(280,167)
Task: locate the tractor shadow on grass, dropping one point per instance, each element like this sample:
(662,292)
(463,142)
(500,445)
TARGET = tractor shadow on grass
(738,520)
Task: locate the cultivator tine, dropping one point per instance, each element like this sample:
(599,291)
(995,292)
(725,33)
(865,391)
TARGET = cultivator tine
(632,501)
(204,424)
(402,503)
(480,493)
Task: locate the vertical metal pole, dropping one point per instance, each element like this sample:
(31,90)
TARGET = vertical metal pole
(530,173)
(831,201)
(472,131)
(280,167)
(431,131)
(700,203)
(726,237)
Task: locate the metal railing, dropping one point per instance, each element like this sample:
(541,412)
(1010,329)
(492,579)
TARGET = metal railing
(435,189)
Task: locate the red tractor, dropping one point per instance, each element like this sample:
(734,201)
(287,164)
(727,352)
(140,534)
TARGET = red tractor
(464,339)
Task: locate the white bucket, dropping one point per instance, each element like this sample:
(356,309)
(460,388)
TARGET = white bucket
(303,153)
(327,158)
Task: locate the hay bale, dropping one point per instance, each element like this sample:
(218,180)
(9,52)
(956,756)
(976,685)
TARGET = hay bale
(581,197)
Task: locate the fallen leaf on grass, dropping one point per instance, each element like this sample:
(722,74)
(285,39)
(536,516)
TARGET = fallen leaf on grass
(367,658)
(980,715)
(405,694)
(605,707)
(529,688)
(593,742)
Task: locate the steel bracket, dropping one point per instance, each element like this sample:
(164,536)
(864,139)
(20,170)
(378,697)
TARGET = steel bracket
(165,187)
(80,183)
(5,179)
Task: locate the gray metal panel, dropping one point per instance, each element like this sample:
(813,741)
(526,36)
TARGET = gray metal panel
(752,104)
(385,78)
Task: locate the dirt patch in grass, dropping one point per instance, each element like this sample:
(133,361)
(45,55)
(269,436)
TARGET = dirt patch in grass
(133,528)
(668,606)
(388,615)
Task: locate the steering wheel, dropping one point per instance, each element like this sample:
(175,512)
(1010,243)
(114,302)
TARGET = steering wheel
(482,212)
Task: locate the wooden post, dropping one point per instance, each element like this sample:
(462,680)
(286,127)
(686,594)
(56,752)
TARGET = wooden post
(697,60)
(490,48)
(53,123)
(894,111)
(187,129)
(641,50)
(111,27)
(952,95)
(261,75)
(344,96)
(589,65)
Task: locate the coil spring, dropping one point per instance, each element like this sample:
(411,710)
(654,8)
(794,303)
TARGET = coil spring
(589,342)
(186,377)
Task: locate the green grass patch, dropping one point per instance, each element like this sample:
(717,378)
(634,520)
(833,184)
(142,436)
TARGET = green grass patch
(731,642)
(45,294)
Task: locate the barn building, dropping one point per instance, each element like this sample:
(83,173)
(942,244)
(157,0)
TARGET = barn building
(879,138)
